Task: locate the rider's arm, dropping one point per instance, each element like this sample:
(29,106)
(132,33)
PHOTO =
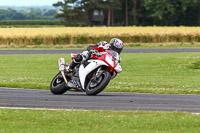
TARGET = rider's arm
(100,44)
(91,47)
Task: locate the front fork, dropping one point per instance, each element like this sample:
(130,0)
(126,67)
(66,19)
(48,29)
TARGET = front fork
(99,72)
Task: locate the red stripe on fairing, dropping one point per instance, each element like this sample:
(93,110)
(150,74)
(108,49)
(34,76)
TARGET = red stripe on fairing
(103,58)
(73,56)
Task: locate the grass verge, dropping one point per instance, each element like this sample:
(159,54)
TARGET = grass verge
(59,121)
(175,73)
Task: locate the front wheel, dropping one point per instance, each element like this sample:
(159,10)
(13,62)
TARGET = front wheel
(96,85)
(58,85)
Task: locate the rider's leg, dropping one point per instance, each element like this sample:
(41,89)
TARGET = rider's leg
(78,59)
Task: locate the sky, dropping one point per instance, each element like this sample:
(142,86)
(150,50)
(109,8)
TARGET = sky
(27,2)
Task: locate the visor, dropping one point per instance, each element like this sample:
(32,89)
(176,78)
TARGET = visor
(117,50)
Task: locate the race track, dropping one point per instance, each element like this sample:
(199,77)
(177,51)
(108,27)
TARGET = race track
(31,98)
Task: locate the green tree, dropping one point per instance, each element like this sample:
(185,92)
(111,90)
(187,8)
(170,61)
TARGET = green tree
(18,16)
(2,14)
(198,7)
(168,12)
(50,12)
(132,12)
(111,6)
(70,13)
(75,12)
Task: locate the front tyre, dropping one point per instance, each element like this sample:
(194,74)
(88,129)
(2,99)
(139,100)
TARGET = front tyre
(57,85)
(96,86)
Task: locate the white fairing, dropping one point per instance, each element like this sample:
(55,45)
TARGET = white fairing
(109,60)
(118,68)
(83,72)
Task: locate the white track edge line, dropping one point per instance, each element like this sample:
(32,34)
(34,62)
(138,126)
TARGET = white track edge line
(41,108)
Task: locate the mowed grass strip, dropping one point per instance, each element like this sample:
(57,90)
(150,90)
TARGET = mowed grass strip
(175,73)
(61,121)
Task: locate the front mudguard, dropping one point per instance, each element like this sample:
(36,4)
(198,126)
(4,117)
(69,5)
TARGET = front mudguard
(84,71)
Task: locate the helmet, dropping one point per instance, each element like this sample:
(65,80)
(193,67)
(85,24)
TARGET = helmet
(116,45)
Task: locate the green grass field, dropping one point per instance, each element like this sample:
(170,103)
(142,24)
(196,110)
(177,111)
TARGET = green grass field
(60,121)
(176,73)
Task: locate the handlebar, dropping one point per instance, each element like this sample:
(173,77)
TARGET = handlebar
(97,53)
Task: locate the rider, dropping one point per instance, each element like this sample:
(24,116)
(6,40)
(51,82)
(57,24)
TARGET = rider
(115,45)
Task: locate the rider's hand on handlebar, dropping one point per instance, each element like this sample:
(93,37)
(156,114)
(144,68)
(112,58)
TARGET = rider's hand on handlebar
(95,52)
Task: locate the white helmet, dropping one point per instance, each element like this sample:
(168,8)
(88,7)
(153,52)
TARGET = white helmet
(104,44)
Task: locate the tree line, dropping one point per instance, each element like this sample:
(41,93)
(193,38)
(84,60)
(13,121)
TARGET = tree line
(132,12)
(29,23)
(27,14)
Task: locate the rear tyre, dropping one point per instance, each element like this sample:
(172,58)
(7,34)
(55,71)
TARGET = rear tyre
(58,85)
(96,86)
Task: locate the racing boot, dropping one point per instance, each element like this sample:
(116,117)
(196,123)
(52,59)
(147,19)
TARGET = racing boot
(71,66)
(77,60)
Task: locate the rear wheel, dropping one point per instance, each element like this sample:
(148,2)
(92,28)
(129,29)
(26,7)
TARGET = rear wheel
(58,85)
(97,84)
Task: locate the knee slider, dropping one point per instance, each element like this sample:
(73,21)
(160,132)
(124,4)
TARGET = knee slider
(78,58)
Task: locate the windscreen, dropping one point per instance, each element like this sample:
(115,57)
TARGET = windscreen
(115,55)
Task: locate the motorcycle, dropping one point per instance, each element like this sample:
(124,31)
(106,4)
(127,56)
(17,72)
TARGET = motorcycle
(91,77)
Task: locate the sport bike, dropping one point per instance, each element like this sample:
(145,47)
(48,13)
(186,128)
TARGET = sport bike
(91,76)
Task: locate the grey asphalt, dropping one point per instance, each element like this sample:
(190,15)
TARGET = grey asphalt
(31,98)
(68,51)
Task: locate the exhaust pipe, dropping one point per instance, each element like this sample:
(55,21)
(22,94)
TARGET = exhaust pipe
(61,63)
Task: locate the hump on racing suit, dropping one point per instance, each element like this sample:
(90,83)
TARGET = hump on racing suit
(103,44)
